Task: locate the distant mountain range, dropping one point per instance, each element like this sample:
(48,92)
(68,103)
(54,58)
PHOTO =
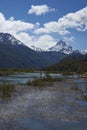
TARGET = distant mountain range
(14,54)
(60,47)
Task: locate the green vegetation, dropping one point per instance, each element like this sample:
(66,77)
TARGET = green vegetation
(47,80)
(6,90)
(6,72)
(71,64)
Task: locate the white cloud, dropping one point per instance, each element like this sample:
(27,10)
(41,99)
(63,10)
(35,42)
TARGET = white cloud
(40,9)
(77,21)
(45,41)
(31,34)
(42,42)
(25,38)
(14,26)
(52,27)
(69,39)
(2,18)
(21,29)
(11,18)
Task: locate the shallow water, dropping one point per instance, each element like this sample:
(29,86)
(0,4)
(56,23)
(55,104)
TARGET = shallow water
(55,107)
(23,78)
(19,78)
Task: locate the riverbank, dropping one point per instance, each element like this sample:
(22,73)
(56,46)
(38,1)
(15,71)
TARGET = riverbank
(51,107)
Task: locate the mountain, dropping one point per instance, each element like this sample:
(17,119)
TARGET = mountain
(62,47)
(84,52)
(8,39)
(76,62)
(36,48)
(14,54)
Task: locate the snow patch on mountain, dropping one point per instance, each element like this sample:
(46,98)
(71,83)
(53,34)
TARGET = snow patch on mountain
(83,52)
(6,38)
(62,47)
(36,49)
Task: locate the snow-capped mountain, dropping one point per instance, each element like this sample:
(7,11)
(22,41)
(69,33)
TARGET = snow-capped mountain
(6,38)
(14,54)
(36,49)
(84,52)
(62,47)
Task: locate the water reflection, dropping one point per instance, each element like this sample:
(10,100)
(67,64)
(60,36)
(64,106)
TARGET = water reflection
(20,78)
(59,105)
(23,78)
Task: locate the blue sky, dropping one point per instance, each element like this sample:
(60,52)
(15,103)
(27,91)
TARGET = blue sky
(42,23)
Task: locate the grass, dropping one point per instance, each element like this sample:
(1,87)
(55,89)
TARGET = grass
(84,97)
(75,88)
(6,90)
(44,81)
(6,72)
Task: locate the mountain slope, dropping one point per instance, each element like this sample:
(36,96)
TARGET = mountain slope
(72,63)
(13,54)
(8,39)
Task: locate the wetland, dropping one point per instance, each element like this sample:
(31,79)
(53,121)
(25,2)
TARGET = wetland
(59,104)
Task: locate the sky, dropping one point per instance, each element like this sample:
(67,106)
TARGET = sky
(42,23)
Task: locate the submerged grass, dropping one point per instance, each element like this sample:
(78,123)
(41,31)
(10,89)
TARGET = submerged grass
(81,91)
(44,81)
(84,97)
(6,90)
(76,88)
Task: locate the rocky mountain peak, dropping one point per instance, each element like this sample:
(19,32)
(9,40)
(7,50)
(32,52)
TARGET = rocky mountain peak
(6,38)
(62,47)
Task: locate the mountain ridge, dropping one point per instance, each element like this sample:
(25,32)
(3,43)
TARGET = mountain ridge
(61,47)
(6,38)
(74,63)
(14,54)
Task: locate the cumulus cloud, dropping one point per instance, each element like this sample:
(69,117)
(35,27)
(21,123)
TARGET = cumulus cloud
(52,27)
(11,18)
(14,26)
(20,30)
(40,9)
(42,42)
(32,34)
(45,41)
(25,38)
(69,39)
(77,21)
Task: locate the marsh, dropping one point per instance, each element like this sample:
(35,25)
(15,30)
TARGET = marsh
(56,106)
